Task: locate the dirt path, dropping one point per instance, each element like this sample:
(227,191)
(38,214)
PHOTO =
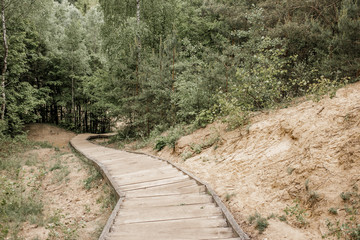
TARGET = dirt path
(75,200)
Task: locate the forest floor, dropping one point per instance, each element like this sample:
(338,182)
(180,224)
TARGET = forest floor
(75,200)
(298,168)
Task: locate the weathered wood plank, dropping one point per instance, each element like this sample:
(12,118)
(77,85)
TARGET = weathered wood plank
(168,233)
(172,200)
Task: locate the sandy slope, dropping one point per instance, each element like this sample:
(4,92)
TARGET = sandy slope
(70,210)
(312,149)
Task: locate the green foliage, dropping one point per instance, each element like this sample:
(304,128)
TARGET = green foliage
(91,181)
(197,148)
(160,144)
(298,213)
(185,155)
(82,66)
(323,86)
(16,205)
(206,116)
(345,196)
(234,115)
(228,196)
(349,227)
(260,223)
(333,211)
(172,136)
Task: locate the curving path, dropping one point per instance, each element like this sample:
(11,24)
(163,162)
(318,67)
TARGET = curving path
(157,200)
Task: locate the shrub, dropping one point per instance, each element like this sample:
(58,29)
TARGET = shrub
(260,223)
(160,144)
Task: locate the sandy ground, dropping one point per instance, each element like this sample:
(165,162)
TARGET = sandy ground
(71,211)
(307,155)
(48,133)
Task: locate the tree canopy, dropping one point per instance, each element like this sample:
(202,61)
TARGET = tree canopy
(153,64)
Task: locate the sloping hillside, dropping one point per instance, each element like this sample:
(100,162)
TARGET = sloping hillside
(299,166)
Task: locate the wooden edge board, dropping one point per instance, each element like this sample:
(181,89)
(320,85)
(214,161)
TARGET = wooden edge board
(120,196)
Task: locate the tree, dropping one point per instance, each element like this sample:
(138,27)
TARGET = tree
(6,52)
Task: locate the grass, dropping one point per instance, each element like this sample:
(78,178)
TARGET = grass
(20,189)
(313,198)
(333,211)
(92,180)
(260,223)
(290,170)
(228,196)
(345,196)
(282,218)
(185,155)
(16,205)
(297,214)
(346,226)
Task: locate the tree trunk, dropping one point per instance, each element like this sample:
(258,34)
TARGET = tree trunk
(138,11)
(6,51)
(73,99)
(138,40)
(86,121)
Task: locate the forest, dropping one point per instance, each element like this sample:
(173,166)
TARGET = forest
(154,64)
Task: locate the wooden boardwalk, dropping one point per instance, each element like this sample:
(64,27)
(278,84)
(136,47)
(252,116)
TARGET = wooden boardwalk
(157,201)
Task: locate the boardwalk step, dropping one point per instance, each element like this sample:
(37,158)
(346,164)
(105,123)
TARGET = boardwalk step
(172,200)
(156,183)
(167,213)
(182,233)
(215,221)
(179,188)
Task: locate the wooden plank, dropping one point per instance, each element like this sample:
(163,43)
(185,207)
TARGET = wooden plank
(120,169)
(156,234)
(147,172)
(150,177)
(172,200)
(197,223)
(155,183)
(167,213)
(183,188)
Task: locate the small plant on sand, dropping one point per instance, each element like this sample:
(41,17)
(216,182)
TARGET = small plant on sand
(333,211)
(298,213)
(348,227)
(197,148)
(91,181)
(260,223)
(313,198)
(290,170)
(282,218)
(345,196)
(185,155)
(228,196)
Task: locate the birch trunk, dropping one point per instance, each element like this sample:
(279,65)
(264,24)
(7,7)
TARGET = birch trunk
(6,51)
(138,11)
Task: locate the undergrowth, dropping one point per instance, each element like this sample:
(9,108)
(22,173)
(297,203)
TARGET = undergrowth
(260,222)
(348,227)
(16,205)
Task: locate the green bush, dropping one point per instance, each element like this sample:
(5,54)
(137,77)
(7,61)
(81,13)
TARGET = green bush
(172,136)
(160,144)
